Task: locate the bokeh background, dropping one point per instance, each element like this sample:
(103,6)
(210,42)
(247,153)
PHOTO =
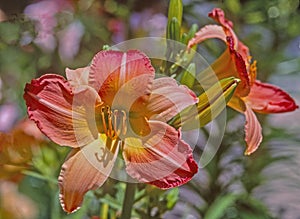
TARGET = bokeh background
(38,37)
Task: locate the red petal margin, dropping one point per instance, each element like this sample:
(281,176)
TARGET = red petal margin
(161,159)
(49,102)
(218,15)
(243,88)
(267,98)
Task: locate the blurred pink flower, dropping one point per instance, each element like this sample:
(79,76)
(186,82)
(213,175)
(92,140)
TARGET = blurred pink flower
(43,13)
(69,40)
(117,27)
(8,115)
(148,23)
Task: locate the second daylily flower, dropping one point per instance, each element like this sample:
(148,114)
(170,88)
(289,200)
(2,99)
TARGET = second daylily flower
(251,95)
(113,104)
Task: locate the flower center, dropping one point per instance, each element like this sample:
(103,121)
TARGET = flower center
(112,122)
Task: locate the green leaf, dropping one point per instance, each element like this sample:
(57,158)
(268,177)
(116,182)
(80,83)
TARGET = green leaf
(172,197)
(188,77)
(9,32)
(186,37)
(39,176)
(173,29)
(175,11)
(217,209)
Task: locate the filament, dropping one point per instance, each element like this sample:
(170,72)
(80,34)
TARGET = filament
(113,122)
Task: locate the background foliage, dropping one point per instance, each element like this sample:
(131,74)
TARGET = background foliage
(69,33)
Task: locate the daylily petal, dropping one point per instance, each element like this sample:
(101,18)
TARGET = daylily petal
(52,104)
(78,77)
(208,32)
(85,169)
(253,131)
(267,98)
(83,114)
(237,104)
(230,63)
(138,126)
(110,70)
(235,61)
(240,65)
(218,15)
(161,158)
(168,98)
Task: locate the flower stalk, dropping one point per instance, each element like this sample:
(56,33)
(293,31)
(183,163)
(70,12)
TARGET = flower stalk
(128,201)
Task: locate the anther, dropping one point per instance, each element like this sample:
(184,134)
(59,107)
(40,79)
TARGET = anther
(113,122)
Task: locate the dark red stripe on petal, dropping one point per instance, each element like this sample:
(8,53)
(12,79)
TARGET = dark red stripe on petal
(244,87)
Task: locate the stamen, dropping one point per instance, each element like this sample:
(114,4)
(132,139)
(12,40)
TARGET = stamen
(113,123)
(103,119)
(124,126)
(116,125)
(109,121)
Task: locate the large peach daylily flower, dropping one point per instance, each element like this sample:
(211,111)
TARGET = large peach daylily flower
(251,95)
(113,104)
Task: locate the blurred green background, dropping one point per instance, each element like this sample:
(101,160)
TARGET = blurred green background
(38,37)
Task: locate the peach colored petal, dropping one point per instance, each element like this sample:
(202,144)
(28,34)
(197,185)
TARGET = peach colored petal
(85,169)
(79,76)
(138,126)
(235,61)
(55,108)
(231,62)
(168,99)
(267,98)
(237,104)
(110,70)
(83,114)
(161,158)
(218,15)
(208,32)
(253,131)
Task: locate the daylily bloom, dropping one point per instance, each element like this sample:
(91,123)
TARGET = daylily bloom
(113,104)
(17,147)
(251,95)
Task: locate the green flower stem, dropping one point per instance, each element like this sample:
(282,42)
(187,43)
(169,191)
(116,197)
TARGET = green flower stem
(128,201)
